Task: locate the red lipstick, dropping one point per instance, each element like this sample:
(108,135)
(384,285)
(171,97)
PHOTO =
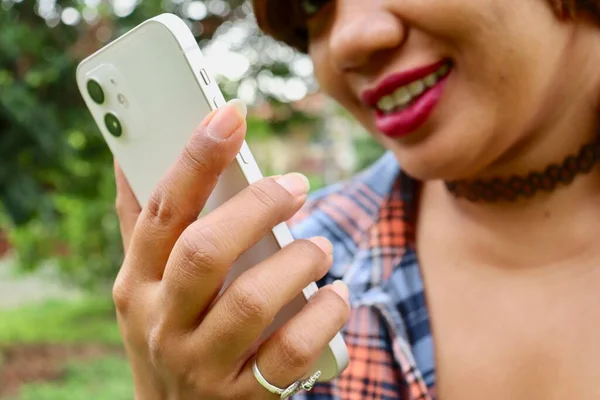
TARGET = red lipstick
(407,120)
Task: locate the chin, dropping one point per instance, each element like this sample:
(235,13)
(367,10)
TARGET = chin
(455,143)
(439,157)
(423,171)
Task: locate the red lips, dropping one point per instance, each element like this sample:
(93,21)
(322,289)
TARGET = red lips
(392,82)
(406,120)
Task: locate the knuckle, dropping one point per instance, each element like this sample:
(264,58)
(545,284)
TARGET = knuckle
(161,209)
(296,350)
(265,199)
(250,303)
(211,237)
(305,246)
(332,305)
(314,258)
(159,340)
(122,293)
(200,251)
(198,156)
(308,248)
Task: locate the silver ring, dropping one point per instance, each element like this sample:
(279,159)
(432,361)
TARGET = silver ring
(294,388)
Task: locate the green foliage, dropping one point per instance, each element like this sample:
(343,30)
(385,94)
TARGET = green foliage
(316,182)
(258,129)
(73,321)
(107,378)
(82,321)
(56,176)
(31,155)
(369,151)
(76,228)
(81,237)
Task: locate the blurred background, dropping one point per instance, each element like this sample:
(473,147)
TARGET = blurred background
(60,247)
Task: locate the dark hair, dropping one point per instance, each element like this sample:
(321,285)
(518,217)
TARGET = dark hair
(282,19)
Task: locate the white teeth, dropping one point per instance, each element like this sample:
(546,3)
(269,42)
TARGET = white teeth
(430,80)
(387,103)
(442,71)
(416,88)
(404,95)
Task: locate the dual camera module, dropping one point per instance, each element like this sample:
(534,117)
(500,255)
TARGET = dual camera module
(111,121)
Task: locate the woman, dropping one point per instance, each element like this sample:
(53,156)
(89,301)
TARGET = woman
(472,270)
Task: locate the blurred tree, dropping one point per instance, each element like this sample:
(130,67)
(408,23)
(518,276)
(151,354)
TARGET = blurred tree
(56,178)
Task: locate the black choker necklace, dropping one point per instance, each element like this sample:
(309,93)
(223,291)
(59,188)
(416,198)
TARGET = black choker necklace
(509,189)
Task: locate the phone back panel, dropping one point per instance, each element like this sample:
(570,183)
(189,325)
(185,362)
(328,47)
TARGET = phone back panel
(150,84)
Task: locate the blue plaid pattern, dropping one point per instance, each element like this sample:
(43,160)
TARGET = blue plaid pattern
(369,220)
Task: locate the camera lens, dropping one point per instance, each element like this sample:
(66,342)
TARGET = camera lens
(113,124)
(95,91)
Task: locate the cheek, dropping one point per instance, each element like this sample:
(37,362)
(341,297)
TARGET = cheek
(497,46)
(499,93)
(335,84)
(498,85)
(503,67)
(451,21)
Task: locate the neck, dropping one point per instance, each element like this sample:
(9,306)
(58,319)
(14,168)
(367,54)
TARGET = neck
(549,227)
(557,226)
(529,185)
(552,229)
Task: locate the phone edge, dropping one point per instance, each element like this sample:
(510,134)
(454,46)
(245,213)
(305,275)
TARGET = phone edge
(244,159)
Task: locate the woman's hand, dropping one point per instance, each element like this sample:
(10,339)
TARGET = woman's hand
(175,264)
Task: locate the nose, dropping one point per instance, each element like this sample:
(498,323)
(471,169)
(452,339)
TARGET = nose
(360,30)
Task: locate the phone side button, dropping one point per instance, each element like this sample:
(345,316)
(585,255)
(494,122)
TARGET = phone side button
(204,76)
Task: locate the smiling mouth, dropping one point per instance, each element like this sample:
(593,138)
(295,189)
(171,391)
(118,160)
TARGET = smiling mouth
(404,96)
(404,101)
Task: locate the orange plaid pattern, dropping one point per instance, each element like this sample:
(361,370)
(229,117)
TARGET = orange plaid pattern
(369,221)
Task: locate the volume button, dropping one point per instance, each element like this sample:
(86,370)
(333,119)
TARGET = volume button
(242,157)
(205,77)
(245,154)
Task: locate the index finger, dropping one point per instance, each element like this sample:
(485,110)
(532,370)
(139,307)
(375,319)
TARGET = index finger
(203,255)
(182,192)
(127,206)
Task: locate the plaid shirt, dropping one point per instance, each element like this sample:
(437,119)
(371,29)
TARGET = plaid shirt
(369,221)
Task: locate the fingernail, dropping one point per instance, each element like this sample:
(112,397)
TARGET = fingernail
(341,289)
(239,106)
(227,119)
(295,183)
(323,244)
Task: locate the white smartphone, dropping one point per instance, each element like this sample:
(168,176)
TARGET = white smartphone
(147,91)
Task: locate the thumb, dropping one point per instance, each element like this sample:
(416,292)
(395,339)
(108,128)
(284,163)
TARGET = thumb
(128,208)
